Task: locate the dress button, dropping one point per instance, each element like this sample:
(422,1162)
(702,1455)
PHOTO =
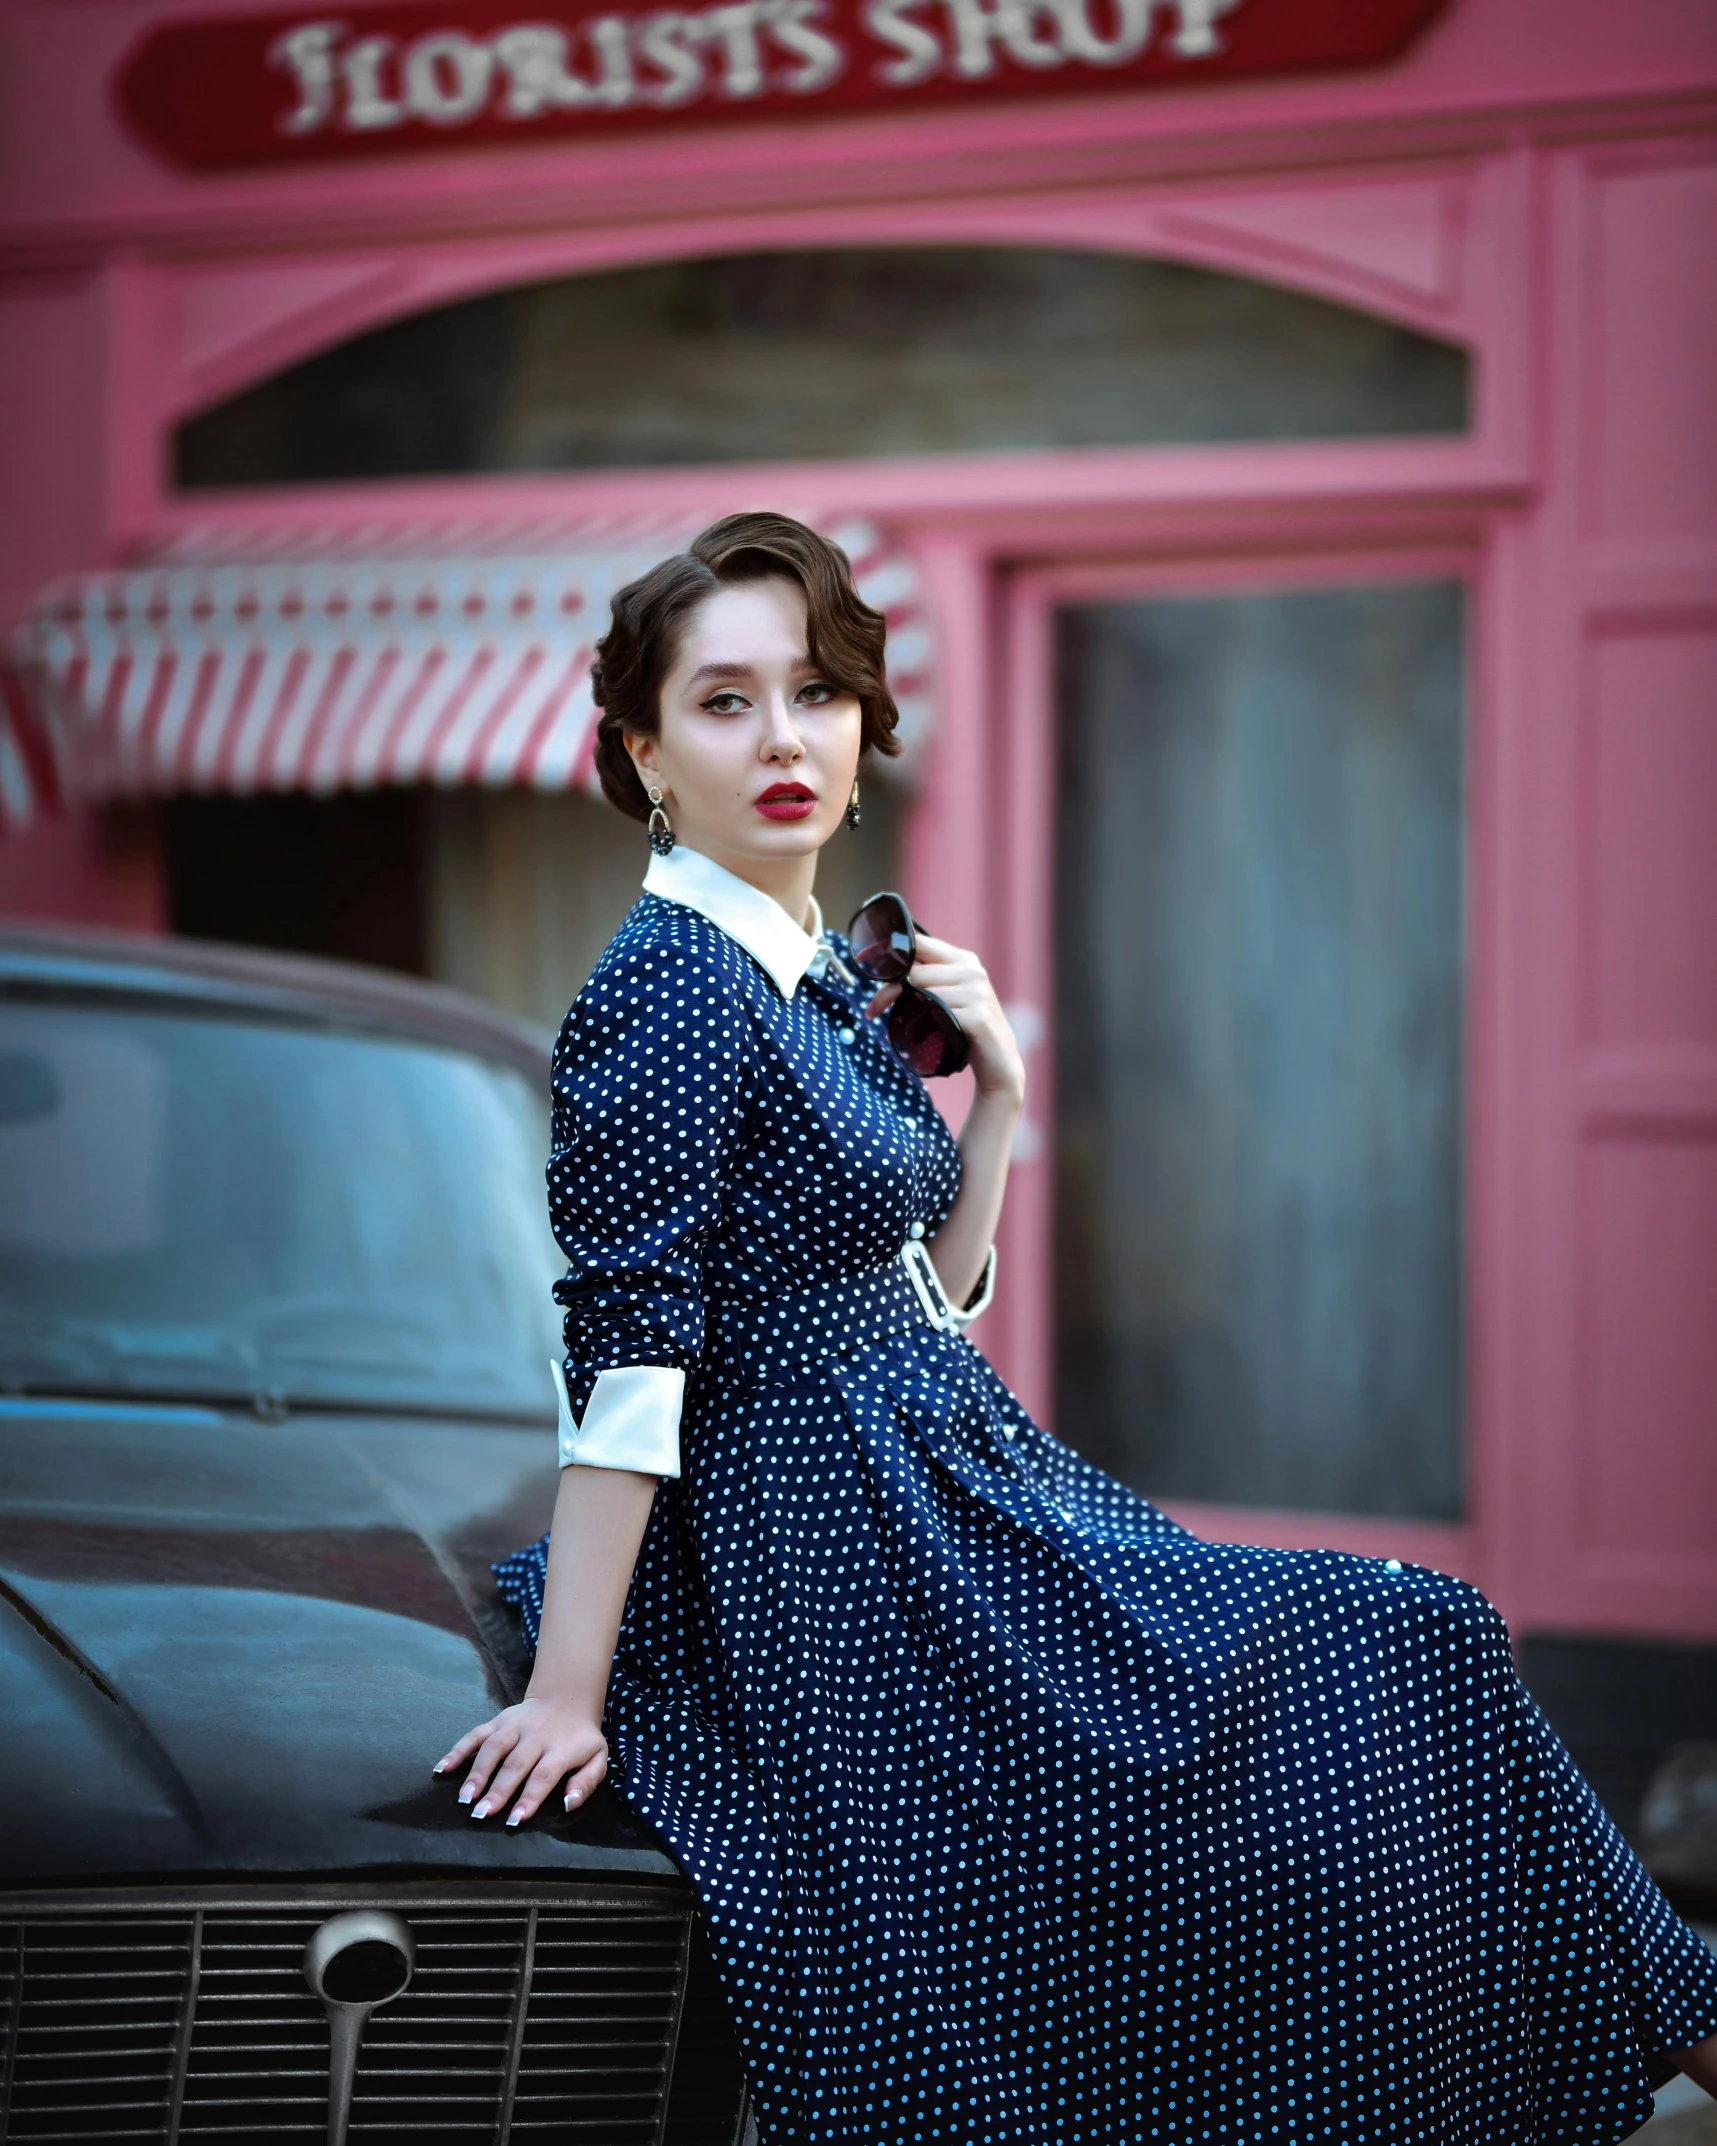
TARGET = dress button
(917,1230)
(849,1035)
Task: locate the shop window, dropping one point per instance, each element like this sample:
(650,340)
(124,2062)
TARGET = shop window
(526,887)
(816,356)
(1260,983)
(339,876)
(510,894)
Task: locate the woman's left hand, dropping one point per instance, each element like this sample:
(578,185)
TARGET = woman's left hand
(960,980)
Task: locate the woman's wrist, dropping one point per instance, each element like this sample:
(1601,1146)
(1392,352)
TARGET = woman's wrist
(571,1697)
(1002,1090)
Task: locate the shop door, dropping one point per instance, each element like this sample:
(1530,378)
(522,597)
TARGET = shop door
(1251,1211)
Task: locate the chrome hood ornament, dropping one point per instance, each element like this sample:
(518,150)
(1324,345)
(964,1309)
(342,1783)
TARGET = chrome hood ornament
(354,1962)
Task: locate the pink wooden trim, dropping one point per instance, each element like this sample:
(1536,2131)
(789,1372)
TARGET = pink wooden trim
(76,870)
(241,321)
(1024,790)
(1246,562)
(1490,1203)
(1180,500)
(1647,1088)
(947,863)
(1555,1094)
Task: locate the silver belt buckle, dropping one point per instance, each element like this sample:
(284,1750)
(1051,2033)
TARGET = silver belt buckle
(922,1273)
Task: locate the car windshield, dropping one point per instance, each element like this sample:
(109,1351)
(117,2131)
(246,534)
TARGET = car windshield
(211,1207)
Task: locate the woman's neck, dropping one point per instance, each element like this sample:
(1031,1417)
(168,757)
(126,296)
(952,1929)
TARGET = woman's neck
(788,881)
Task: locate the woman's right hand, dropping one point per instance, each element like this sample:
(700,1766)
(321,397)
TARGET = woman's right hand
(529,1749)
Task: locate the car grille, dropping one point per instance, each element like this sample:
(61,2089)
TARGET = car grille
(531,2013)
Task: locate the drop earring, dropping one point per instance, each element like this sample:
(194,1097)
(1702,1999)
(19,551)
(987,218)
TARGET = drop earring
(661,834)
(853,805)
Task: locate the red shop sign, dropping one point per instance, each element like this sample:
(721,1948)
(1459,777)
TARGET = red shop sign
(435,74)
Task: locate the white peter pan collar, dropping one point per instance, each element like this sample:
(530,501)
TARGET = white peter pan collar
(745,913)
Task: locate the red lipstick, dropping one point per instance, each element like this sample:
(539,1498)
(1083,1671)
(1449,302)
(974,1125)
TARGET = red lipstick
(787,801)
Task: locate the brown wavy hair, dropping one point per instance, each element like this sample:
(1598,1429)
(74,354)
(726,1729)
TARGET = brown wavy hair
(844,634)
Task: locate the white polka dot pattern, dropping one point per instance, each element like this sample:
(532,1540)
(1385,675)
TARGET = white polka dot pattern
(1018,1814)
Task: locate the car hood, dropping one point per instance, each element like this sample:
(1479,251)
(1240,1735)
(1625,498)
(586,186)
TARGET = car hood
(236,1647)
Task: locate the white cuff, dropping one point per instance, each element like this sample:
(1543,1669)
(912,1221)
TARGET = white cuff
(962,1315)
(632,1419)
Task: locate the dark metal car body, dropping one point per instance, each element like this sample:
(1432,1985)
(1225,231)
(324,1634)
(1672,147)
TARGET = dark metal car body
(245,1596)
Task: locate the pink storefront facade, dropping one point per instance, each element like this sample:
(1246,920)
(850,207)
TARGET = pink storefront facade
(1536,186)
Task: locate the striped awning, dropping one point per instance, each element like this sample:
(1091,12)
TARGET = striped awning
(343,663)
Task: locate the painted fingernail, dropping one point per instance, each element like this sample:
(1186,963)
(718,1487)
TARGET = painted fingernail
(514,1819)
(480,1810)
(438,1769)
(466,1793)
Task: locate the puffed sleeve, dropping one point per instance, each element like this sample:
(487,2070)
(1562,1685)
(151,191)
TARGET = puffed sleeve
(649,1085)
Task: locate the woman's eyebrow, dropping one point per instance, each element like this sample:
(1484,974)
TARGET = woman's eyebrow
(741,670)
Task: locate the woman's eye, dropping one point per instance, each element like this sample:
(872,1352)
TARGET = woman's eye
(816,694)
(723,703)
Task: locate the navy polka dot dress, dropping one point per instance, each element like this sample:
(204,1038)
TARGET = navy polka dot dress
(1017,1813)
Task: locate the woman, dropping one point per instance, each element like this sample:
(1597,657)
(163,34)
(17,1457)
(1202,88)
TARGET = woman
(1017,1813)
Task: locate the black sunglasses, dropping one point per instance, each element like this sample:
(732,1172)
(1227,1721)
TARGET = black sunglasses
(921,1028)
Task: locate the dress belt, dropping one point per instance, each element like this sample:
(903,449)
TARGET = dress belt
(757,1339)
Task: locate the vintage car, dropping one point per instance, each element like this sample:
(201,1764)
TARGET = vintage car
(274,1390)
